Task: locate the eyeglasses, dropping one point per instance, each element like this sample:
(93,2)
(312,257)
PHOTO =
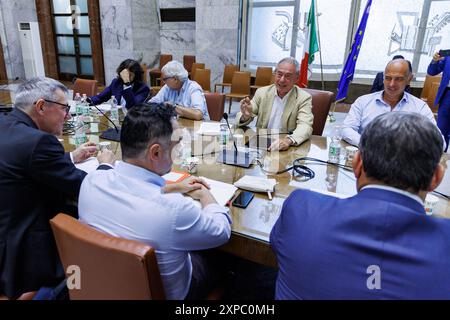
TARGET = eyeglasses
(166,78)
(66,106)
(287,76)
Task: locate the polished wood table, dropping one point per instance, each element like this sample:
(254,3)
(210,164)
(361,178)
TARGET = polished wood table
(251,226)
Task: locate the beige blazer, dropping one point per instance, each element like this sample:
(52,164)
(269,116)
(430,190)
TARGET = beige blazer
(297,115)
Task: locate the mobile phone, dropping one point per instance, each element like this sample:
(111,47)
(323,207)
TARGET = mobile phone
(243,199)
(444,53)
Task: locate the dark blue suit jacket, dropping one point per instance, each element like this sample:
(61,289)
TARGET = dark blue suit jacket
(435,69)
(134,95)
(36,179)
(324,246)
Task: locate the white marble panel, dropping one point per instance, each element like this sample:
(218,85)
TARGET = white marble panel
(203,3)
(116,27)
(164,4)
(216,48)
(177,40)
(217,17)
(178,26)
(13,12)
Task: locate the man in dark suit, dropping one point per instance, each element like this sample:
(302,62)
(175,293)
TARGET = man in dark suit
(442,64)
(36,177)
(378,244)
(378,82)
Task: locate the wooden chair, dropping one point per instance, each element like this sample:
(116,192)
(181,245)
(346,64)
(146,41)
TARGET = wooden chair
(187,63)
(215,103)
(203,78)
(196,66)
(111,268)
(228,72)
(87,86)
(321,103)
(144,73)
(429,91)
(240,86)
(263,78)
(156,72)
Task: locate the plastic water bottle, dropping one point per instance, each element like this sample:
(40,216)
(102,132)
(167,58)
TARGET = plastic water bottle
(80,131)
(334,150)
(85,107)
(77,101)
(114,113)
(223,133)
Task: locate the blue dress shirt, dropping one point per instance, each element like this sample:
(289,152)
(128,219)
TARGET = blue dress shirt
(128,202)
(369,106)
(190,96)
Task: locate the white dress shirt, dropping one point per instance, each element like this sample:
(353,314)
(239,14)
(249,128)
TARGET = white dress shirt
(369,106)
(128,202)
(277,111)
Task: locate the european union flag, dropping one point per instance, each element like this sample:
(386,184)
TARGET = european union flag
(349,69)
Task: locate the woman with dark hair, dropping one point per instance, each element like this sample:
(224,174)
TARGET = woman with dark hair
(128,88)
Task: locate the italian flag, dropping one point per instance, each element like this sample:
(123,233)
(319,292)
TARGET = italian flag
(310,46)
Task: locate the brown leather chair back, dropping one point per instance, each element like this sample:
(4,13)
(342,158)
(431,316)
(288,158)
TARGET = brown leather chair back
(430,89)
(215,103)
(321,102)
(263,76)
(196,66)
(163,59)
(240,84)
(111,268)
(203,78)
(87,86)
(228,72)
(187,62)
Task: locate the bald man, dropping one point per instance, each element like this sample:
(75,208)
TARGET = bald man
(397,77)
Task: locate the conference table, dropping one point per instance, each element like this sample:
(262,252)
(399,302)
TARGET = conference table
(251,226)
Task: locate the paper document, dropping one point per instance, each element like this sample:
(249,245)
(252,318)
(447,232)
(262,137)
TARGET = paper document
(297,184)
(88,165)
(221,191)
(209,128)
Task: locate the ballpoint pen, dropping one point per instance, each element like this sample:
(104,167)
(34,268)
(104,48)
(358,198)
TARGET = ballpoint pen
(269,194)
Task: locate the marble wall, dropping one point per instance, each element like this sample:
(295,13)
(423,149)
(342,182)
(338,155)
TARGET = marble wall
(217,34)
(11,13)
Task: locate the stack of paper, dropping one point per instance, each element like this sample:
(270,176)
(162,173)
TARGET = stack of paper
(209,128)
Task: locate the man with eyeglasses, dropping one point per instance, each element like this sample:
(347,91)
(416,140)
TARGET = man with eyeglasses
(282,106)
(397,77)
(36,179)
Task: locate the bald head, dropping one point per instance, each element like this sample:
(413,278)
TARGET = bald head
(401,65)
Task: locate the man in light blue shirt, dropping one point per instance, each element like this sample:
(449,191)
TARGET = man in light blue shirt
(397,76)
(181,92)
(133,202)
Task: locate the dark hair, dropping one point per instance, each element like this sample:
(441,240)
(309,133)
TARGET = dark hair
(133,66)
(401,150)
(145,123)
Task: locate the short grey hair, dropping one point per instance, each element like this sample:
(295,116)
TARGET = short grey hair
(290,60)
(175,69)
(402,150)
(37,88)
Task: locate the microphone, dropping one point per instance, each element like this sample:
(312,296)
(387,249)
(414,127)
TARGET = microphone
(109,134)
(235,158)
(225,116)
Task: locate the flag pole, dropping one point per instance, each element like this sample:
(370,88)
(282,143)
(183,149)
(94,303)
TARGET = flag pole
(320,46)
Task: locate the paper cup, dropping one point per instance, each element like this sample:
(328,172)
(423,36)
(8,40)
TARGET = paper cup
(104,145)
(192,164)
(350,152)
(430,204)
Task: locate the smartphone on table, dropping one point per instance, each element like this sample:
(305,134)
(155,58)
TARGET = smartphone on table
(243,199)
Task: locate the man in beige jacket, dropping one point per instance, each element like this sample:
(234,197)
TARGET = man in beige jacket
(283,106)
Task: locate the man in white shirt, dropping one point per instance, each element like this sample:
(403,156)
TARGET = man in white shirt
(133,202)
(397,76)
(282,106)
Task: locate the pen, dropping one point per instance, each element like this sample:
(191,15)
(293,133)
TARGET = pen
(269,194)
